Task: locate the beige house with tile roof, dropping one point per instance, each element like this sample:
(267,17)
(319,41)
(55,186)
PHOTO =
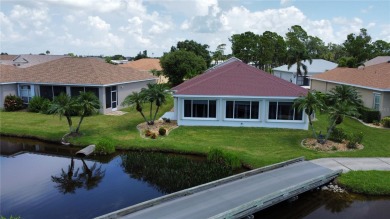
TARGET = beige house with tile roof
(71,75)
(372,82)
(146,64)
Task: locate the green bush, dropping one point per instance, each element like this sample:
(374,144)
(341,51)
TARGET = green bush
(38,105)
(386,121)
(337,135)
(162,131)
(13,103)
(354,139)
(369,115)
(227,159)
(105,146)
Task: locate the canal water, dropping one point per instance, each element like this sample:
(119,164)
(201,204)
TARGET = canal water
(42,180)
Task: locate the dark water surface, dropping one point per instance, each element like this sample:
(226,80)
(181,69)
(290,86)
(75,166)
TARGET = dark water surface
(41,180)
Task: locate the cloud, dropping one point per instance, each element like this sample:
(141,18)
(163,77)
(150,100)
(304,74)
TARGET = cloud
(90,5)
(98,23)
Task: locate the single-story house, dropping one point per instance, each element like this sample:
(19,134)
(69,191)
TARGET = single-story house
(372,82)
(147,64)
(316,67)
(236,94)
(71,75)
(377,60)
(25,61)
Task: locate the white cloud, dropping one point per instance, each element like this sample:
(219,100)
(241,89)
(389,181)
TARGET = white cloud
(90,5)
(98,23)
(285,2)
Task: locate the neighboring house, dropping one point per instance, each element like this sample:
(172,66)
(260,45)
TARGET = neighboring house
(236,94)
(25,61)
(316,67)
(147,64)
(377,60)
(372,83)
(109,82)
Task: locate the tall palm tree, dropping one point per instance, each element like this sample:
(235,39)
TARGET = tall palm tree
(160,94)
(136,99)
(88,104)
(298,57)
(309,103)
(150,96)
(64,105)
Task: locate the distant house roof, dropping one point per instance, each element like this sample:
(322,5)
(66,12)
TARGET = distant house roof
(317,66)
(9,74)
(235,78)
(25,61)
(145,64)
(7,57)
(373,76)
(85,71)
(377,60)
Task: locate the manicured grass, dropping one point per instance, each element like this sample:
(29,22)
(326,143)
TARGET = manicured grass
(357,181)
(254,146)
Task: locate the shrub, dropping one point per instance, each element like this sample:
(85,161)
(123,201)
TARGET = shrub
(153,136)
(227,159)
(386,121)
(38,104)
(105,146)
(369,115)
(167,120)
(162,131)
(13,103)
(337,135)
(354,139)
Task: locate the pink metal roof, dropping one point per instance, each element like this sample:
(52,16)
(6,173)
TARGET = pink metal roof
(236,78)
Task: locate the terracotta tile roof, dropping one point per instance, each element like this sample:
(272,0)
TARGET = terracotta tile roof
(86,71)
(374,76)
(236,78)
(145,64)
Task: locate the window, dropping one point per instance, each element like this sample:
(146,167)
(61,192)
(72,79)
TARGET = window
(75,91)
(200,108)
(242,109)
(377,101)
(50,92)
(25,93)
(302,81)
(283,111)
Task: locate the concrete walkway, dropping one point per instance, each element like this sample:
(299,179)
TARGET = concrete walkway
(347,164)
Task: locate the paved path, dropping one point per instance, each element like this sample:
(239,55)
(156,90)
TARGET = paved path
(347,164)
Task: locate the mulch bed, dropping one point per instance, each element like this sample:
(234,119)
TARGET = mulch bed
(169,126)
(329,146)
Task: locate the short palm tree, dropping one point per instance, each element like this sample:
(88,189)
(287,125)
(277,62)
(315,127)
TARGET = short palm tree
(345,93)
(309,103)
(160,94)
(64,105)
(88,103)
(136,99)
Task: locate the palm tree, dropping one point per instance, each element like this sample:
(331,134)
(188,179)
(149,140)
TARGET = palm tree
(337,112)
(92,176)
(88,104)
(345,93)
(298,57)
(68,181)
(160,94)
(149,94)
(137,99)
(309,103)
(64,105)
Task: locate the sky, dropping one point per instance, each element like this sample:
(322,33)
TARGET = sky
(127,27)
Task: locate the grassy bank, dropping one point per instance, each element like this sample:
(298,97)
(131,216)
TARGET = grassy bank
(254,146)
(356,181)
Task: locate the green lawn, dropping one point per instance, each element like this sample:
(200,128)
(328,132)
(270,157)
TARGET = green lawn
(254,146)
(356,181)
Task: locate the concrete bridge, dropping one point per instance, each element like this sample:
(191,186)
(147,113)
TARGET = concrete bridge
(236,196)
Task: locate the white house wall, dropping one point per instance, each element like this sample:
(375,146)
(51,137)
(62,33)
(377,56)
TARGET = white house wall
(5,90)
(220,119)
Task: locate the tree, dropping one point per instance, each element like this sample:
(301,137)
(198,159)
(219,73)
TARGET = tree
(197,48)
(245,46)
(47,52)
(296,40)
(344,93)
(358,46)
(316,47)
(136,99)
(88,104)
(380,48)
(180,64)
(219,54)
(64,105)
(142,55)
(309,103)
(118,57)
